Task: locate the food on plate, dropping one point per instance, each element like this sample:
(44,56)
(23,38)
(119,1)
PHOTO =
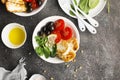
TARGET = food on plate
(62,46)
(85,5)
(59,24)
(66,50)
(15,7)
(57,39)
(17,36)
(67,57)
(73,44)
(22,5)
(47,29)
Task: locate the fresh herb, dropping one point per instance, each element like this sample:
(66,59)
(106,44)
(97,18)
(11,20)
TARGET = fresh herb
(54,50)
(43,49)
(46,51)
(39,50)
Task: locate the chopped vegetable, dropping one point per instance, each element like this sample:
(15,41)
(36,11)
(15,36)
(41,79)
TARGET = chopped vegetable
(54,50)
(59,24)
(58,36)
(66,33)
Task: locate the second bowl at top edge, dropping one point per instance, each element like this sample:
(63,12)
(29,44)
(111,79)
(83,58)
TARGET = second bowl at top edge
(23,14)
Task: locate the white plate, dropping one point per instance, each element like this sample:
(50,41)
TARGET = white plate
(65,5)
(33,12)
(42,23)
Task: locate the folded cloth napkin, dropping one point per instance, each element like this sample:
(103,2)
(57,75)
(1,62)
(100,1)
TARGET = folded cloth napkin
(19,73)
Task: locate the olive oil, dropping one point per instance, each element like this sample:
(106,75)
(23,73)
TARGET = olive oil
(17,36)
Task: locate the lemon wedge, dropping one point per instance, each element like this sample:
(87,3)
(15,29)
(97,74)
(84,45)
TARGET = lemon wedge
(51,40)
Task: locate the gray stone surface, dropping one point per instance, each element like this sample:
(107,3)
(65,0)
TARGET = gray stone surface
(97,59)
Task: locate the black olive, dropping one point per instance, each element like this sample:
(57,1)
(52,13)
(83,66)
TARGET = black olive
(39,2)
(47,32)
(43,29)
(50,26)
(40,33)
(49,23)
(28,5)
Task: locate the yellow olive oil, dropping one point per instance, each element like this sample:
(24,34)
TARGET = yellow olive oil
(17,36)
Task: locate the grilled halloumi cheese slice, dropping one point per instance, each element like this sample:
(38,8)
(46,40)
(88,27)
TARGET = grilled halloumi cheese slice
(66,50)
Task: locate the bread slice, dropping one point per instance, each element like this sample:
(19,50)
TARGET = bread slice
(17,1)
(15,7)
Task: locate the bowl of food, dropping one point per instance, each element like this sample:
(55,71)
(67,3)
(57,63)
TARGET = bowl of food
(56,39)
(24,7)
(14,35)
(91,7)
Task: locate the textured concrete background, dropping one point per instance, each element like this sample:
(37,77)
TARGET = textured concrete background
(97,59)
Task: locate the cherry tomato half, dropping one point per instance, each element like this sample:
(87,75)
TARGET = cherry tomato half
(66,33)
(34,4)
(28,0)
(59,24)
(58,36)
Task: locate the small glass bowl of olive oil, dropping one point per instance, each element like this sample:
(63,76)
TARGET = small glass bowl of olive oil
(14,35)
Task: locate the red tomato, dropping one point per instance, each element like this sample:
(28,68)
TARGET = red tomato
(34,4)
(28,0)
(59,24)
(66,33)
(58,36)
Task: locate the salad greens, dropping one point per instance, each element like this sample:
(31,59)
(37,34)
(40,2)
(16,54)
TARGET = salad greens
(85,5)
(43,49)
(93,3)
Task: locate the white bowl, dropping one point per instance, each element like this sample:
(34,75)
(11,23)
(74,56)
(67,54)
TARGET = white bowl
(33,12)
(5,35)
(65,5)
(37,77)
(42,23)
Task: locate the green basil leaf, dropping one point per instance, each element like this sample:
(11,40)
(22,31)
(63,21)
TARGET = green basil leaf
(46,51)
(54,50)
(39,51)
